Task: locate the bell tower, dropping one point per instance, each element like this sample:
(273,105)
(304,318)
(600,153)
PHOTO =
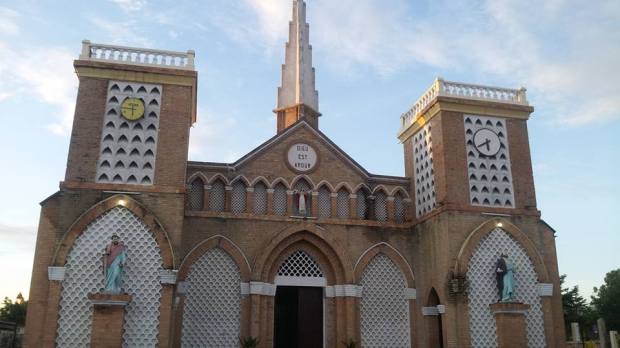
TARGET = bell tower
(297,97)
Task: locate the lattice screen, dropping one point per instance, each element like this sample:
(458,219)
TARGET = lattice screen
(212,311)
(279,200)
(381,213)
(260,198)
(490,178)
(384,311)
(128,148)
(424,172)
(362,204)
(400,209)
(483,289)
(300,264)
(196,194)
(85,275)
(342,204)
(325,202)
(217,196)
(238,197)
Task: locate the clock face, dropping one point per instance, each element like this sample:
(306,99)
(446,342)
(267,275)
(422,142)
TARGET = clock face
(132,108)
(302,157)
(487,142)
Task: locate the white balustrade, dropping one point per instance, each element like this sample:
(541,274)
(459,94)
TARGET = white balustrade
(137,56)
(442,88)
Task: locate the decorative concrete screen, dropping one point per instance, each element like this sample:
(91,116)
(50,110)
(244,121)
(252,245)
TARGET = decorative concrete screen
(342,204)
(483,290)
(260,198)
(381,213)
(84,275)
(490,177)
(217,196)
(300,264)
(362,204)
(424,172)
(384,310)
(212,313)
(128,148)
(279,199)
(196,194)
(325,202)
(238,197)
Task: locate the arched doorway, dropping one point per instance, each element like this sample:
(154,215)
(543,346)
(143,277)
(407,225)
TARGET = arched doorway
(433,322)
(299,307)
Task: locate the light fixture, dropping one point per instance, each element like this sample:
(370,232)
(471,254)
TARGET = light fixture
(499,224)
(121,202)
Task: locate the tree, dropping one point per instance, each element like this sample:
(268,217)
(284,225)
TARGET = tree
(606,300)
(576,309)
(14,311)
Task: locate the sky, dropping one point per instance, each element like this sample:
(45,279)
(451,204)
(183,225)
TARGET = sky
(373,59)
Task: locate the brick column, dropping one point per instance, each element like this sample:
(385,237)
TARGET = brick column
(205,200)
(227,199)
(510,323)
(334,204)
(289,202)
(409,211)
(353,206)
(270,202)
(249,200)
(108,315)
(390,208)
(314,210)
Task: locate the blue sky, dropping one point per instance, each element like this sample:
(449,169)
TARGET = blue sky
(373,58)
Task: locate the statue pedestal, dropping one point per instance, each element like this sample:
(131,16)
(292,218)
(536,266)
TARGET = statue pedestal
(510,323)
(108,317)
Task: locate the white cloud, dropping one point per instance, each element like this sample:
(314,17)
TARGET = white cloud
(8,21)
(45,73)
(130,5)
(208,137)
(127,32)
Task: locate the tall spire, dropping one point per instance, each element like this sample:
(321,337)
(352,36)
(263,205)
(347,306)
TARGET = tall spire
(297,97)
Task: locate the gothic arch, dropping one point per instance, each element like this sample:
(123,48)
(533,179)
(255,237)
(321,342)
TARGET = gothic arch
(197,175)
(360,186)
(378,188)
(217,241)
(326,184)
(240,178)
(398,189)
(147,217)
(279,180)
(307,178)
(216,177)
(469,246)
(260,179)
(344,185)
(310,239)
(391,252)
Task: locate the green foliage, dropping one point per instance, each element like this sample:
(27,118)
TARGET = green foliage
(606,300)
(350,343)
(249,342)
(576,309)
(14,311)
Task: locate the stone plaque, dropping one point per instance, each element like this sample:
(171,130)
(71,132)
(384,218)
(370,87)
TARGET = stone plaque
(302,157)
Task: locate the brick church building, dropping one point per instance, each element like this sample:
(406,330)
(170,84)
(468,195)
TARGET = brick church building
(294,243)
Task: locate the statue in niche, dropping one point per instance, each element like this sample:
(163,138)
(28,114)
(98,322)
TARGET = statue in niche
(114,259)
(504,275)
(301,204)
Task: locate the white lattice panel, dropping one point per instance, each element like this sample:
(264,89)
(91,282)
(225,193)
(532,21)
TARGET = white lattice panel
(84,274)
(490,177)
(279,200)
(196,195)
(128,148)
(238,197)
(384,311)
(212,311)
(399,208)
(342,204)
(260,198)
(381,212)
(300,264)
(217,196)
(424,172)
(362,204)
(483,289)
(325,202)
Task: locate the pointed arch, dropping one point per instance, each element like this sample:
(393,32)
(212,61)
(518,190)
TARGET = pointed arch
(305,177)
(280,180)
(379,188)
(242,178)
(216,241)
(200,175)
(362,186)
(260,179)
(326,184)
(344,185)
(148,218)
(391,252)
(469,245)
(216,177)
(399,189)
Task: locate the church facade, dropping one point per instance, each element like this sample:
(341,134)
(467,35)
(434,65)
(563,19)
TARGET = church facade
(295,243)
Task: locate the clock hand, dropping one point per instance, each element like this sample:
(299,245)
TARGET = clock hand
(487,143)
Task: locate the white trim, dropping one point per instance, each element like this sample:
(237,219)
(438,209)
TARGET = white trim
(430,311)
(395,250)
(56,273)
(245,289)
(218,236)
(545,289)
(441,309)
(168,276)
(344,290)
(410,293)
(109,302)
(260,288)
(300,281)
(510,311)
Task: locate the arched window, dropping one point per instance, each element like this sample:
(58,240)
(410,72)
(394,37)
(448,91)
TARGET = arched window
(342,204)
(260,198)
(400,209)
(196,194)
(302,187)
(325,202)
(217,196)
(381,213)
(363,209)
(279,199)
(238,197)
